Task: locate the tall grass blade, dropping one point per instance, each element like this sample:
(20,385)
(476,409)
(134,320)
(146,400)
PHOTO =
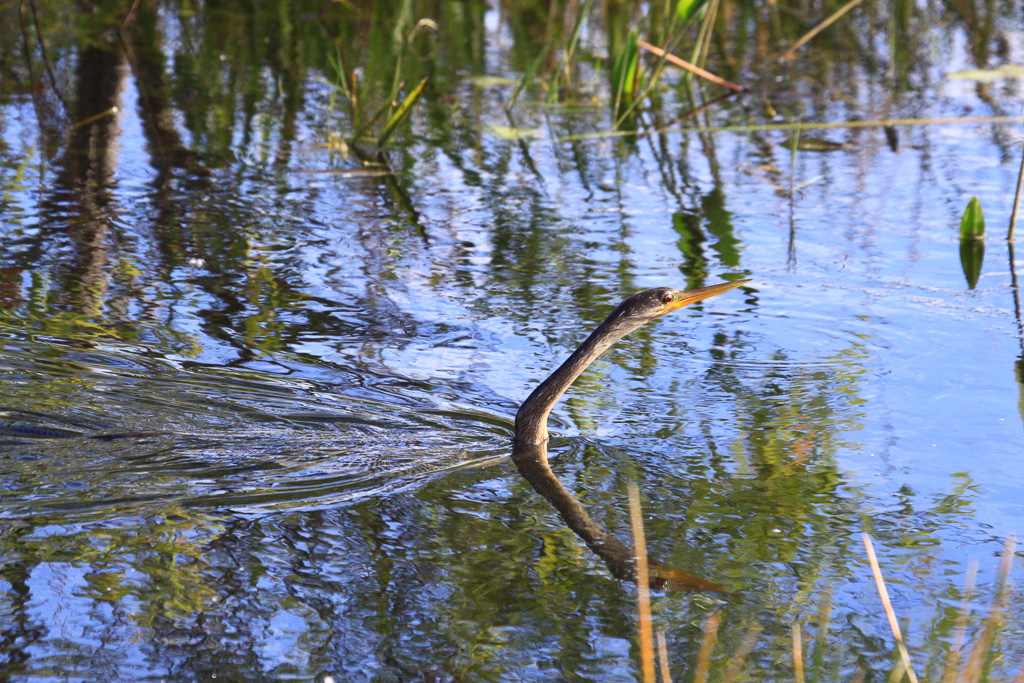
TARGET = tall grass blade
(1016,203)
(982,648)
(798,654)
(707,642)
(735,666)
(626,75)
(890,614)
(685,9)
(960,628)
(818,29)
(369,122)
(337,62)
(704,35)
(651,81)
(643,587)
(401,112)
(567,53)
(666,675)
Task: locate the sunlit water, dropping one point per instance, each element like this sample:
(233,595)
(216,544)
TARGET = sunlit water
(325,369)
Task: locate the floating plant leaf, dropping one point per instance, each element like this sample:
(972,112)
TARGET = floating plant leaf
(1004,71)
(484,82)
(808,143)
(510,133)
(972,241)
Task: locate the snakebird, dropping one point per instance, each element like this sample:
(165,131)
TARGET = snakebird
(631,314)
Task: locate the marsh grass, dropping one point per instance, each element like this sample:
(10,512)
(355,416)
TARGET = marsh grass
(347,83)
(979,658)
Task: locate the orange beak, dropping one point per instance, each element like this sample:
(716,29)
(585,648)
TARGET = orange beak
(694,295)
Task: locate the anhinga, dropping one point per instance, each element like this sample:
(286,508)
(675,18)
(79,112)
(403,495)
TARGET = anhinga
(634,312)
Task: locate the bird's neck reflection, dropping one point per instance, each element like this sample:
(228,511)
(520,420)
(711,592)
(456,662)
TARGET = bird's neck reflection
(532,461)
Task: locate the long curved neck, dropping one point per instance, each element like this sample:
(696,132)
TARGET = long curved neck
(532,418)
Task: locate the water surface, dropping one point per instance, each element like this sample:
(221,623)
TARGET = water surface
(258,398)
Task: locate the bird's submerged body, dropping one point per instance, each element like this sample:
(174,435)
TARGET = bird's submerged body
(631,314)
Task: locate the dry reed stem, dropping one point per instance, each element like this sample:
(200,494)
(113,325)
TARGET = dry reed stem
(692,68)
(791,126)
(732,671)
(666,675)
(887,604)
(706,643)
(95,117)
(1016,200)
(976,661)
(798,655)
(792,167)
(960,628)
(818,29)
(643,588)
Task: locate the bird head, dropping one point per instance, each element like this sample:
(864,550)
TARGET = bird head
(654,303)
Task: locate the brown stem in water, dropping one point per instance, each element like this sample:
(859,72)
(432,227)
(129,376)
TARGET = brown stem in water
(692,68)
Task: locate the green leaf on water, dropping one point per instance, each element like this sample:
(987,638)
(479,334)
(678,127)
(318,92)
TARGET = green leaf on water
(973,222)
(972,241)
(402,111)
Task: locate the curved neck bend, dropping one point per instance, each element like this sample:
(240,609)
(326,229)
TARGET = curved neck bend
(532,418)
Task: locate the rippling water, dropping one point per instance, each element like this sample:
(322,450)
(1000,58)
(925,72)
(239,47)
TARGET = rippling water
(257,398)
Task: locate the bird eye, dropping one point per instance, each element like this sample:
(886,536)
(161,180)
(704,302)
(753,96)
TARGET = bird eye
(667,298)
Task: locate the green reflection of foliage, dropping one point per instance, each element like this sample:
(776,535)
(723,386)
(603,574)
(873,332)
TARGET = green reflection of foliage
(41,311)
(156,564)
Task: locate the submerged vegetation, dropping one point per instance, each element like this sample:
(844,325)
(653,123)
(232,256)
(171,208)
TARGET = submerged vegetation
(317,224)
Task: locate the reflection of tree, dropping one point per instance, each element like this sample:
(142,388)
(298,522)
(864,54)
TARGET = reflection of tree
(145,47)
(85,179)
(135,577)
(1018,365)
(19,630)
